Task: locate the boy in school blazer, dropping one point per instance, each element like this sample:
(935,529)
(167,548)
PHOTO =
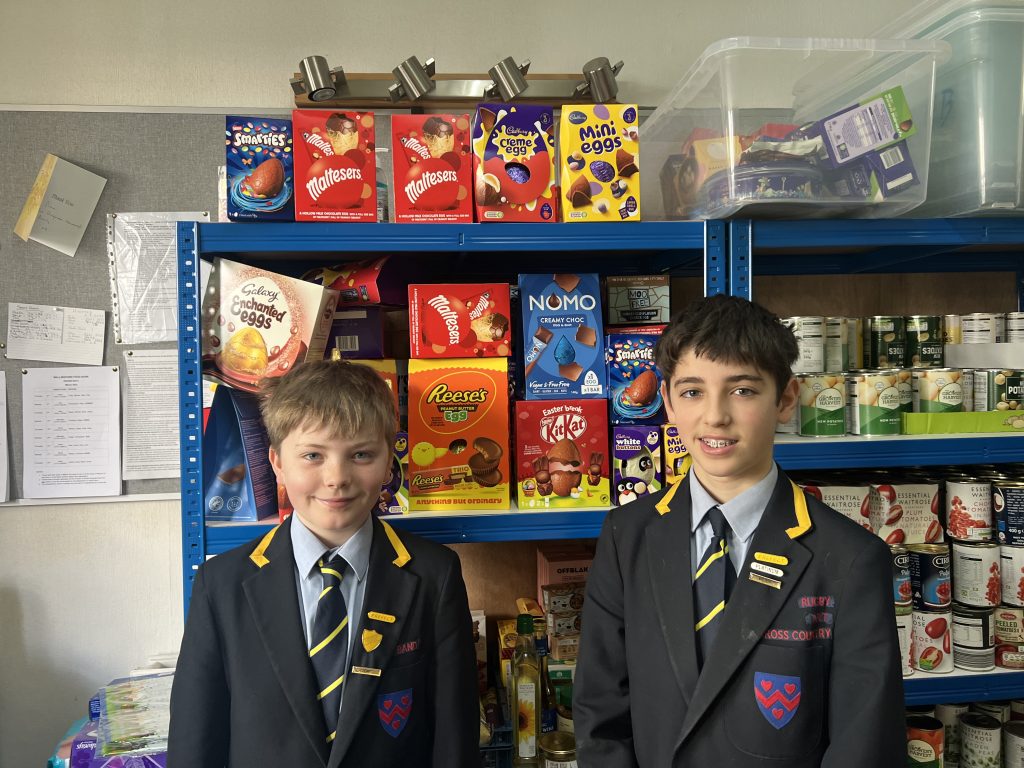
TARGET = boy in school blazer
(245,691)
(803,669)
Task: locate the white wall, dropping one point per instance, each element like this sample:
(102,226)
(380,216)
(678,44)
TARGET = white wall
(89,591)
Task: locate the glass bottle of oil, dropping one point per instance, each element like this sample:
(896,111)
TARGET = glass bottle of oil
(526,692)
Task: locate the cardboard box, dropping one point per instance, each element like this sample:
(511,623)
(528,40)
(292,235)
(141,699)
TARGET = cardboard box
(513,163)
(506,648)
(637,468)
(357,333)
(634,381)
(599,147)
(335,166)
(459,320)
(674,458)
(380,280)
(458,429)
(433,168)
(259,324)
(479,620)
(260,182)
(561,454)
(394,497)
(562,336)
(638,299)
(565,563)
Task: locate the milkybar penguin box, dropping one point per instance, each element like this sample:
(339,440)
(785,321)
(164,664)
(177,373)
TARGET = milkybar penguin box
(562,454)
(458,434)
(459,320)
(259,324)
(634,382)
(335,168)
(599,146)
(637,470)
(433,168)
(513,163)
(562,335)
(259,168)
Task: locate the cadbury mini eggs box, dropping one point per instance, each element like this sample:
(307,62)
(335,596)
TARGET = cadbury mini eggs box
(634,382)
(600,149)
(260,178)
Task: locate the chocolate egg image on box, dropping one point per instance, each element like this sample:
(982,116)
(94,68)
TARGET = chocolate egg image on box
(246,352)
(564,454)
(644,389)
(266,180)
(562,482)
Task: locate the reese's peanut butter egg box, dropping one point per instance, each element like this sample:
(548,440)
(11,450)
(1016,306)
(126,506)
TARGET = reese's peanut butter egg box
(513,161)
(600,149)
(260,180)
(459,320)
(636,457)
(335,167)
(458,434)
(433,168)
(562,454)
(259,324)
(634,381)
(562,335)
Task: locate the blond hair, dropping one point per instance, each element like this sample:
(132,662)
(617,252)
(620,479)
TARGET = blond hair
(346,398)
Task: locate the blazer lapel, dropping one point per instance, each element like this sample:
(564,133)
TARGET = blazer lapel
(390,591)
(752,606)
(273,599)
(668,557)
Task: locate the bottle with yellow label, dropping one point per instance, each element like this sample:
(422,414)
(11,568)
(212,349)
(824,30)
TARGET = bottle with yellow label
(525,694)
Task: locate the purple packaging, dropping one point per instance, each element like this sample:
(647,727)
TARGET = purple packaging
(634,382)
(259,168)
(636,462)
(83,745)
(358,333)
(238,481)
(875,175)
(155,760)
(562,334)
(394,496)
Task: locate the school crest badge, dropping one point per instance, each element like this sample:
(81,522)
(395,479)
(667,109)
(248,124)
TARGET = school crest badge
(778,697)
(394,710)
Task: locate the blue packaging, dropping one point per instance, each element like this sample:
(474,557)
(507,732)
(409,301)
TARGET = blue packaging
(562,333)
(876,175)
(634,382)
(636,462)
(260,175)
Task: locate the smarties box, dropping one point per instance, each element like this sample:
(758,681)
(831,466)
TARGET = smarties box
(599,148)
(335,167)
(636,462)
(634,382)
(460,320)
(513,163)
(433,168)
(562,335)
(259,168)
(561,454)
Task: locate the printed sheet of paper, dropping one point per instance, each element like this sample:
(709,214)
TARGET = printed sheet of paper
(5,463)
(59,205)
(149,431)
(143,256)
(55,334)
(70,420)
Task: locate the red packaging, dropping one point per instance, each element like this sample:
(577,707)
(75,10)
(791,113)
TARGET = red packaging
(433,168)
(335,168)
(456,320)
(380,280)
(562,454)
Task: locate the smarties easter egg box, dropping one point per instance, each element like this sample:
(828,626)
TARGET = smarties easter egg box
(258,159)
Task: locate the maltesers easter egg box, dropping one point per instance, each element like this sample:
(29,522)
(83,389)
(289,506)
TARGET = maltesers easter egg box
(433,168)
(459,320)
(335,168)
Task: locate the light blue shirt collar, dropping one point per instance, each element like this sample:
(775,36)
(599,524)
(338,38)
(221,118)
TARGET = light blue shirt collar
(308,549)
(743,513)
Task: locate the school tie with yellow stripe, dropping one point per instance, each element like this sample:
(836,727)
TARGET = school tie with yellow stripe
(711,586)
(328,647)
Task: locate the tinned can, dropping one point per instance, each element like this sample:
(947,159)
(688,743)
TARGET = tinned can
(924,341)
(904,630)
(930,575)
(809,331)
(980,741)
(925,741)
(902,589)
(822,404)
(792,426)
(952,332)
(949,716)
(1016,709)
(905,385)
(1008,511)
(974,638)
(855,342)
(1011,574)
(1000,710)
(931,642)
(998,389)
(983,327)
(969,509)
(837,344)
(1013,745)
(976,574)
(967,385)
(873,402)
(1010,655)
(1009,625)
(937,390)
(1014,326)
(558,750)
(887,345)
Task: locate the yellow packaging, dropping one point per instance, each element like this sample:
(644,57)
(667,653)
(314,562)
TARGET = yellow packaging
(506,648)
(674,452)
(600,154)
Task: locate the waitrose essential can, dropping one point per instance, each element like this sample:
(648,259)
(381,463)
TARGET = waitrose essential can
(981,743)
(983,327)
(809,331)
(855,342)
(937,390)
(931,641)
(952,333)
(925,741)
(1011,572)
(974,638)
(902,589)
(949,716)
(822,404)
(873,402)
(1015,326)
(924,341)
(969,509)
(904,630)
(967,384)
(1000,710)
(1013,745)
(1009,624)
(976,574)
(1008,511)
(837,344)
(887,341)
(930,575)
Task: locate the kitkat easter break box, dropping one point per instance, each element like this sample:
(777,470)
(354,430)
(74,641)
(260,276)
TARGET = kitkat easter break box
(433,168)
(335,167)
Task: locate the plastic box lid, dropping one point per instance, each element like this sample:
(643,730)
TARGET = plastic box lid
(924,18)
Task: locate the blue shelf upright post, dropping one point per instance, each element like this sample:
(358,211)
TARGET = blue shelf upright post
(190,406)
(714,258)
(740,259)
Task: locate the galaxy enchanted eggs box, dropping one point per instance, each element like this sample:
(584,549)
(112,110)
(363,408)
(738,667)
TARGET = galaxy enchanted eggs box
(260,177)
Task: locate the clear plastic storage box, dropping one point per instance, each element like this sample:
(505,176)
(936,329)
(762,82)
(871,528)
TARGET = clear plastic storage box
(793,127)
(978,130)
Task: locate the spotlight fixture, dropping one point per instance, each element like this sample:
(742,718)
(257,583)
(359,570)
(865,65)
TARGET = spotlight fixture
(599,80)
(508,79)
(412,79)
(318,80)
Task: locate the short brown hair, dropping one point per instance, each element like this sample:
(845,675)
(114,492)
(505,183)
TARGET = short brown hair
(733,330)
(345,397)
